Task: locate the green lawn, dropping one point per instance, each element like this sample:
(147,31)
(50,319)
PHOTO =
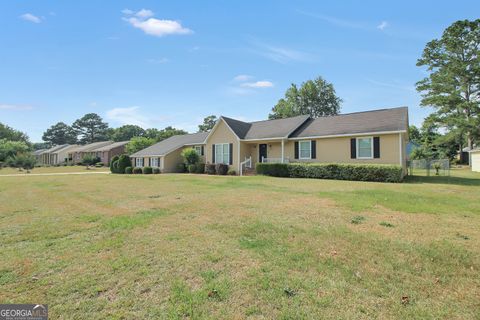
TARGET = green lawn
(61,169)
(207,247)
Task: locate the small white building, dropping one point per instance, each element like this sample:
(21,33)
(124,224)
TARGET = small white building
(475,159)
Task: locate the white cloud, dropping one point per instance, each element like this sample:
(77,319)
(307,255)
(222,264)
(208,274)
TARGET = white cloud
(130,115)
(30,17)
(158,61)
(127,11)
(14,107)
(382,25)
(144,13)
(143,20)
(242,77)
(258,84)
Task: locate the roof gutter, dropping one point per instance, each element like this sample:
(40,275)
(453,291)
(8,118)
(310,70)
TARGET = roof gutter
(349,135)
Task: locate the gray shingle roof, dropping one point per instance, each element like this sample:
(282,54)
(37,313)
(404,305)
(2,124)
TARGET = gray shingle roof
(173,143)
(109,147)
(56,148)
(382,120)
(266,129)
(91,146)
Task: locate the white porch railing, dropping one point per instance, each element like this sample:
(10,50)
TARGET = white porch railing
(275,160)
(247,163)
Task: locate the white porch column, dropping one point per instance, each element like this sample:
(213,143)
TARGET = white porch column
(283,151)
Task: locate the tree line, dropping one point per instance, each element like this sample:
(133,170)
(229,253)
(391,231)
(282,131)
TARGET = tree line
(451,87)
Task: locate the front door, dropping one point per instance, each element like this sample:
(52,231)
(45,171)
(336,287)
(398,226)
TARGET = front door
(262,151)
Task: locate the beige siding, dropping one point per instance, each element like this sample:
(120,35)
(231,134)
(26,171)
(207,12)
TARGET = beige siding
(337,150)
(223,134)
(171,161)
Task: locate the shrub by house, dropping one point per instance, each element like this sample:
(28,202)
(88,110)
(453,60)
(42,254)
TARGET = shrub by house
(337,171)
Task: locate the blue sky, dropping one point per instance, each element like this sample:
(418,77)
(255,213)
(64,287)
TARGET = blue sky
(156,63)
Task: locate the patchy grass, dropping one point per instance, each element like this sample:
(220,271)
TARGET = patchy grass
(207,247)
(61,169)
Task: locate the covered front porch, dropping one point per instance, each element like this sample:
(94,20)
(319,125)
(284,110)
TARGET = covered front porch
(271,151)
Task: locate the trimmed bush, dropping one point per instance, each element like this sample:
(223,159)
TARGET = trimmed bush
(137,170)
(221,169)
(190,156)
(337,171)
(147,170)
(156,170)
(191,168)
(200,168)
(123,162)
(128,170)
(112,164)
(231,172)
(210,168)
(181,168)
(272,169)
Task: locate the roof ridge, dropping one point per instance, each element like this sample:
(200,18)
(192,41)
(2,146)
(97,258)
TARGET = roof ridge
(301,115)
(366,111)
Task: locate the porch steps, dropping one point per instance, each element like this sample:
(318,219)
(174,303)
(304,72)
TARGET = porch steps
(249,172)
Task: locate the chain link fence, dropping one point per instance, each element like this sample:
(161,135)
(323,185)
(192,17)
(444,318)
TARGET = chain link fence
(426,167)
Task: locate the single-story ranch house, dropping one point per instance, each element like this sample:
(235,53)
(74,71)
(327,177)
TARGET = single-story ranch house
(72,153)
(375,137)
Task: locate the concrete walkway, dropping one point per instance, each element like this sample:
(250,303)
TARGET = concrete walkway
(50,174)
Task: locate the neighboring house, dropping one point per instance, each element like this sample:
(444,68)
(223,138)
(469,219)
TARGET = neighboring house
(38,155)
(166,154)
(75,155)
(475,159)
(107,152)
(378,136)
(55,155)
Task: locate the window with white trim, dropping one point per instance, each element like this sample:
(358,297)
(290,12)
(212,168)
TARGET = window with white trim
(154,162)
(305,149)
(222,153)
(138,162)
(198,149)
(365,148)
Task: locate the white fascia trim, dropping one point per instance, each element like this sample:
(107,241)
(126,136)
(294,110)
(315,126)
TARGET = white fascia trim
(262,139)
(349,135)
(148,156)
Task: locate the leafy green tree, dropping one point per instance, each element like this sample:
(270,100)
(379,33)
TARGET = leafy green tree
(91,128)
(453,85)
(190,156)
(40,145)
(414,134)
(208,123)
(127,132)
(316,98)
(151,133)
(60,133)
(22,161)
(11,134)
(169,132)
(11,148)
(137,144)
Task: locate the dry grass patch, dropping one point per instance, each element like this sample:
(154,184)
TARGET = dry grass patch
(203,247)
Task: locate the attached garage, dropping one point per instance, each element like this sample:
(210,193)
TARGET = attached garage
(475,160)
